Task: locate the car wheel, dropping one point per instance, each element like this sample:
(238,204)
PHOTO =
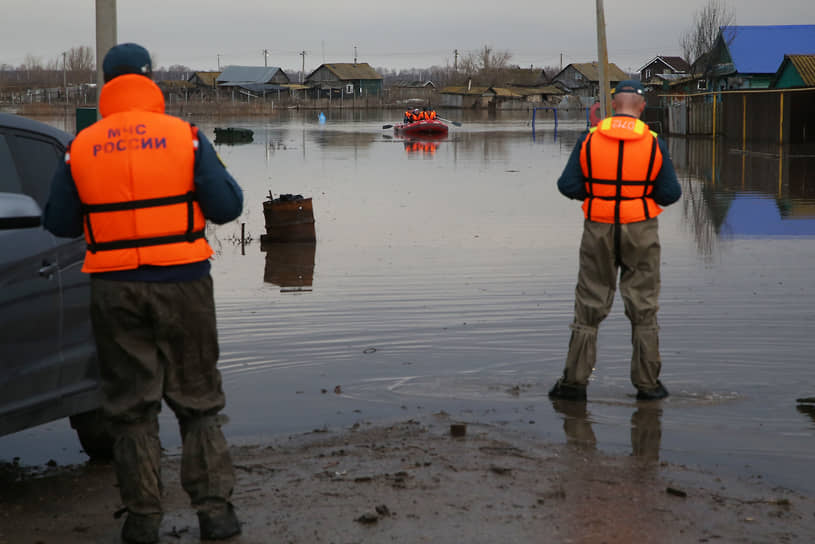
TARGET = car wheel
(94,434)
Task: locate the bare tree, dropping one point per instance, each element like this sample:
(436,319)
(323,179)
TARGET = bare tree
(699,38)
(487,66)
(80,65)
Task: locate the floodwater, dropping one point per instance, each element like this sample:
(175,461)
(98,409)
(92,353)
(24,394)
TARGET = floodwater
(443,279)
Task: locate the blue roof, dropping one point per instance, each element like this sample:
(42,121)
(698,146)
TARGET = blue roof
(761,49)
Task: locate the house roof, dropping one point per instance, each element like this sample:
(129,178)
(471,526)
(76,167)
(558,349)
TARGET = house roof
(524,77)
(761,49)
(505,92)
(169,84)
(349,70)
(207,78)
(413,84)
(462,89)
(804,65)
(530,91)
(242,75)
(677,64)
(591,71)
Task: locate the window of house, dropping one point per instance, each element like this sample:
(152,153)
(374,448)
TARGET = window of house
(647,74)
(701,85)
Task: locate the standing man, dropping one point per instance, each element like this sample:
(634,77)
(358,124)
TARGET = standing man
(141,184)
(623,174)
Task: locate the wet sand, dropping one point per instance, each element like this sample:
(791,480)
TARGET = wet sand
(412,482)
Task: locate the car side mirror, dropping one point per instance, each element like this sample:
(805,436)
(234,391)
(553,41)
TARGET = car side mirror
(19,212)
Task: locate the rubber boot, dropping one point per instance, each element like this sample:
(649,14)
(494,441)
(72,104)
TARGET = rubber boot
(141,528)
(220,525)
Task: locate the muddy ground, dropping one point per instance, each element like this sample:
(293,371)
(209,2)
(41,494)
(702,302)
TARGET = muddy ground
(413,482)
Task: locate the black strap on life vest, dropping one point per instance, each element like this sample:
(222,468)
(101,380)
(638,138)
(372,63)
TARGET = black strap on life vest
(189,235)
(648,181)
(590,179)
(619,195)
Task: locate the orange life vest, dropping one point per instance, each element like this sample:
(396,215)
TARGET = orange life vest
(133,171)
(620,159)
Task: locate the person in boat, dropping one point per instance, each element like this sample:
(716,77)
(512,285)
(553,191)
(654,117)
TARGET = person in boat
(152,306)
(623,174)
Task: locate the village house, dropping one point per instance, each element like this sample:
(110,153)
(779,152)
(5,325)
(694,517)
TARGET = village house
(748,57)
(796,71)
(207,80)
(524,77)
(583,80)
(345,78)
(253,79)
(465,96)
(662,70)
(412,92)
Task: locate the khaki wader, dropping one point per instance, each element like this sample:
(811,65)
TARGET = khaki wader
(639,262)
(159,341)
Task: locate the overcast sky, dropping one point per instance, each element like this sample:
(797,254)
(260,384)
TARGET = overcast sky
(201,33)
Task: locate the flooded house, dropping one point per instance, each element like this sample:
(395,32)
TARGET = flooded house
(253,81)
(344,79)
(465,96)
(796,71)
(583,80)
(663,69)
(204,80)
(754,85)
(412,92)
(748,57)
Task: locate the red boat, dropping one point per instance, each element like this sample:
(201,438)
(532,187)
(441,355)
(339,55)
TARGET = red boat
(423,127)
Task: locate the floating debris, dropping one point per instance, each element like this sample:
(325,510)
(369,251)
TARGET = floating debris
(289,218)
(233,135)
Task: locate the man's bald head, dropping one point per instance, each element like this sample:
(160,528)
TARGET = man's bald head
(628,104)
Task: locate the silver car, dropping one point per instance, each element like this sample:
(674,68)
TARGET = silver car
(48,367)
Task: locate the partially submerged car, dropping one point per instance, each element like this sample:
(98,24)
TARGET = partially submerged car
(48,365)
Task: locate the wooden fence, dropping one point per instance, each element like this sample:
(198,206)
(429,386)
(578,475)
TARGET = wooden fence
(776,116)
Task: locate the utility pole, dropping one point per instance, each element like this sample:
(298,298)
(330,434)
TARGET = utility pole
(218,56)
(64,78)
(105,38)
(602,62)
(561,61)
(455,60)
(303,70)
(355,54)
(266,58)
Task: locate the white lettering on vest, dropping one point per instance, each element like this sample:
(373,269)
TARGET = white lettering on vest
(627,124)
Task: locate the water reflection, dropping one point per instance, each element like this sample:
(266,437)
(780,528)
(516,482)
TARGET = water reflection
(290,266)
(735,189)
(424,147)
(646,427)
(807,406)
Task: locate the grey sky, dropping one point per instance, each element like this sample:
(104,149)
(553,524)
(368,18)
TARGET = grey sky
(199,33)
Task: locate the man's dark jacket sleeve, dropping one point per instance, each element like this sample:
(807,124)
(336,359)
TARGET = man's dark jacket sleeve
(572,183)
(218,194)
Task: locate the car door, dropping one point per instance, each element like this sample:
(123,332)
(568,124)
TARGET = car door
(30,306)
(37,156)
